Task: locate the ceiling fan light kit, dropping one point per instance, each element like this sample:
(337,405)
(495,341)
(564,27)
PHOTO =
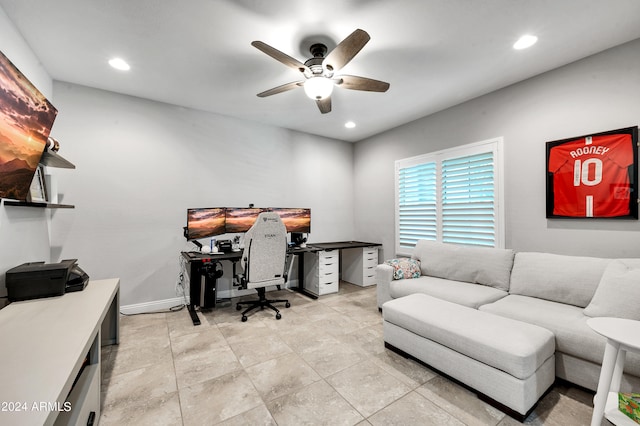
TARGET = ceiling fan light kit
(318,88)
(319,71)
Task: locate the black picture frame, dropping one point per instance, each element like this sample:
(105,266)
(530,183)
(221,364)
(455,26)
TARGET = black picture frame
(583,165)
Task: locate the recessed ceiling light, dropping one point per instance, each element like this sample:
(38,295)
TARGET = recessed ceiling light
(349,124)
(119,64)
(525,41)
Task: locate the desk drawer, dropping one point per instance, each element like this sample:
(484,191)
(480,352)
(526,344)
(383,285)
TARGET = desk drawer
(329,278)
(328,268)
(328,256)
(327,288)
(369,278)
(370,259)
(370,263)
(323,286)
(370,254)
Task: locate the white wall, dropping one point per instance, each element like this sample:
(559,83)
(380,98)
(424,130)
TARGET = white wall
(141,164)
(595,94)
(24,232)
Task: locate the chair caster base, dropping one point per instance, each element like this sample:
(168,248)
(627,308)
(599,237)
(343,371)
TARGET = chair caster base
(261,303)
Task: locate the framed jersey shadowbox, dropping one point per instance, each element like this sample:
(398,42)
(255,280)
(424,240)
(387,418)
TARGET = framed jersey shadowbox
(594,176)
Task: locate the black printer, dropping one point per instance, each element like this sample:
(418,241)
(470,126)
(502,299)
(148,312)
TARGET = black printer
(39,279)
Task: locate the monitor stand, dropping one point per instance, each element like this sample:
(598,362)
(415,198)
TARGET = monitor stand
(298,239)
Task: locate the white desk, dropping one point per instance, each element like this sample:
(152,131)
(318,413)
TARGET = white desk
(44,345)
(622,335)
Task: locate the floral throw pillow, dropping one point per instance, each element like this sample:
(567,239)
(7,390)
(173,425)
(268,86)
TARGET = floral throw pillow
(404,268)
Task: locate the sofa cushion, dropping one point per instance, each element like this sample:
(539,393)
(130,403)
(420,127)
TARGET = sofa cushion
(462,293)
(404,268)
(514,347)
(565,279)
(480,265)
(568,323)
(618,293)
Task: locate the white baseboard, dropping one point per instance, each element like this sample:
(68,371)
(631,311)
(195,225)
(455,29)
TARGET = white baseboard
(166,304)
(155,306)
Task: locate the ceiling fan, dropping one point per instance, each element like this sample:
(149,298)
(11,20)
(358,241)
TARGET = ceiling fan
(320,71)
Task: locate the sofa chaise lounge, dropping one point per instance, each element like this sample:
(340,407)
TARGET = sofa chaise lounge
(557,293)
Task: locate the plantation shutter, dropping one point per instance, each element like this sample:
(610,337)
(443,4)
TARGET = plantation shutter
(468,211)
(417,204)
(453,196)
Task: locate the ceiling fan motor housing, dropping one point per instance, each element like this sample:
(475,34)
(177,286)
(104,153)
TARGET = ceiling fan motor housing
(318,51)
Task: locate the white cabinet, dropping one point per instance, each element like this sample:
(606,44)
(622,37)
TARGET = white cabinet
(322,272)
(359,265)
(49,343)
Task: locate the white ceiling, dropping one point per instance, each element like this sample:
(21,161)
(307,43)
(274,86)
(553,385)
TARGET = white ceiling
(197,53)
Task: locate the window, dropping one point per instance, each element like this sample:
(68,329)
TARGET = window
(453,196)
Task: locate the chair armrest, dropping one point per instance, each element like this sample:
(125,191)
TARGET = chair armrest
(384,276)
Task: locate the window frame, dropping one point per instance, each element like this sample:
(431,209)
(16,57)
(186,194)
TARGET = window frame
(494,145)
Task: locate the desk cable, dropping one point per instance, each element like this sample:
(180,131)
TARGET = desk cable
(180,291)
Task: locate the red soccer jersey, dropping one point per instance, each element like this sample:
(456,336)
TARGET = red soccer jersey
(590,176)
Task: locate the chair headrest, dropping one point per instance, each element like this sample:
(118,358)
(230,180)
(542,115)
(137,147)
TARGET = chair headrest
(268,220)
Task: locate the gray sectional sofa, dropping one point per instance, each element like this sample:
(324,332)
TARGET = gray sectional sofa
(556,292)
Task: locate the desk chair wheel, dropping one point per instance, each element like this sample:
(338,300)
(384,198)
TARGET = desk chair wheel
(261,304)
(287,305)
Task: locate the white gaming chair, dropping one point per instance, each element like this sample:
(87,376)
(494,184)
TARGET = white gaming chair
(263,261)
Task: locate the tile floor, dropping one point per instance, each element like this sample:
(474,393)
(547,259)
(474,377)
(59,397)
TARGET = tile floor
(323,363)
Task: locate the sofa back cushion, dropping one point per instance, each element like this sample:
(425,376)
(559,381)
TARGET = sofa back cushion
(480,265)
(559,278)
(618,293)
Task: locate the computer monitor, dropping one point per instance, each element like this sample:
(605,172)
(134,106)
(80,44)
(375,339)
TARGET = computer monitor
(294,219)
(208,222)
(205,222)
(240,219)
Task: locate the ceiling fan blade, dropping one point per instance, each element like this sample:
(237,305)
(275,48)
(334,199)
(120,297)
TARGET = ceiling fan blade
(354,82)
(346,50)
(279,56)
(280,89)
(324,105)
